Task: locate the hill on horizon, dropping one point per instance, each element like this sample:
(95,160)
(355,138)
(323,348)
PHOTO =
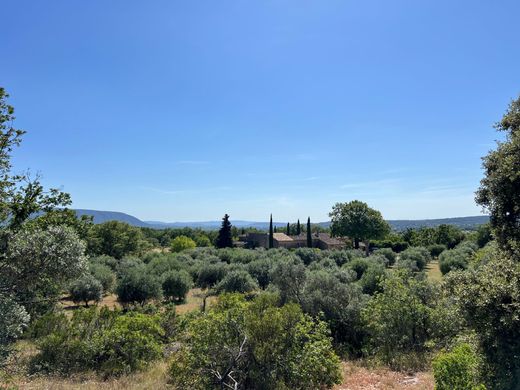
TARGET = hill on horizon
(469,223)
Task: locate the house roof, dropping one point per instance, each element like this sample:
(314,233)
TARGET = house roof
(281,237)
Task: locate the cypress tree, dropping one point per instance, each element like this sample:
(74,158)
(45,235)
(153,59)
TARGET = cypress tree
(288,229)
(271,238)
(225,239)
(309,234)
(275,229)
(298,228)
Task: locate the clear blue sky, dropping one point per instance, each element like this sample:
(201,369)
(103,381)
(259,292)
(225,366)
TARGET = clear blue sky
(185,110)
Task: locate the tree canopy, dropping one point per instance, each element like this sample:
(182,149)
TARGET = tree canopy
(499,191)
(358,221)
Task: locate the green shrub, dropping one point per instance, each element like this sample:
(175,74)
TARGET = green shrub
(211,274)
(414,258)
(181,243)
(138,287)
(130,344)
(457,370)
(48,323)
(436,250)
(176,285)
(388,253)
(86,288)
(101,340)
(260,270)
(255,345)
(104,274)
(308,255)
(237,281)
(399,320)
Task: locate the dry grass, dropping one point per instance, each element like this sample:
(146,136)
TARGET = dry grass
(154,378)
(357,377)
(193,302)
(433,271)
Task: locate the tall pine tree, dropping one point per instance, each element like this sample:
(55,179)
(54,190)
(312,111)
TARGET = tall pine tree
(225,239)
(271,238)
(309,234)
(298,228)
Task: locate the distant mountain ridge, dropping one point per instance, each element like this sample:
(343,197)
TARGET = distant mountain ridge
(399,225)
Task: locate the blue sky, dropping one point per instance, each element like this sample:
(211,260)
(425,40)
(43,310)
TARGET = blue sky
(185,110)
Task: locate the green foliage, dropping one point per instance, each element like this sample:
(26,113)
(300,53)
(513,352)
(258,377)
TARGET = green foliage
(357,220)
(457,369)
(339,301)
(388,253)
(115,239)
(260,270)
(211,274)
(130,344)
(436,250)
(176,285)
(182,243)
(225,237)
(237,281)
(104,274)
(136,286)
(488,297)
(39,263)
(484,235)
(414,259)
(458,258)
(86,288)
(447,235)
(100,340)
(202,240)
(13,320)
(256,346)
(308,255)
(46,324)
(499,190)
(289,276)
(398,319)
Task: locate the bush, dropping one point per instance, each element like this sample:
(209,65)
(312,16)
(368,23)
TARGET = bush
(388,253)
(399,319)
(176,285)
(13,320)
(237,281)
(488,298)
(101,340)
(181,243)
(436,250)
(260,270)
(308,255)
(372,278)
(457,370)
(359,266)
(138,287)
(415,257)
(86,288)
(104,274)
(130,344)
(457,258)
(211,274)
(255,345)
